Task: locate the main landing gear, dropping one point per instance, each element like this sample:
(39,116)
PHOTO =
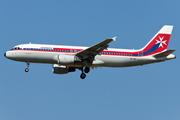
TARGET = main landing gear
(86,70)
(27,69)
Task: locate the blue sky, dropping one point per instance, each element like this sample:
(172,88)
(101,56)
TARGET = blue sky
(139,93)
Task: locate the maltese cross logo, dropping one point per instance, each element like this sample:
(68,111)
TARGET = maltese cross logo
(161,41)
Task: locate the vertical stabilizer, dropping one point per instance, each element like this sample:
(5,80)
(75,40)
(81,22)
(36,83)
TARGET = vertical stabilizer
(159,42)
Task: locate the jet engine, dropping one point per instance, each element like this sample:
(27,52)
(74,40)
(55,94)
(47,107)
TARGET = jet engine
(60,69)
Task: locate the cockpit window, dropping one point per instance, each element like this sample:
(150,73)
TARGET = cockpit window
(16,48)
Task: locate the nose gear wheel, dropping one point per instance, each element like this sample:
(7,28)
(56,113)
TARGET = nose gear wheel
(27,69)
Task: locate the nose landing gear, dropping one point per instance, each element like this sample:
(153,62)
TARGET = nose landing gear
(27,69)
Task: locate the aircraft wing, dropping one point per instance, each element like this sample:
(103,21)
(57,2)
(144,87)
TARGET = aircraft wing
(95,49)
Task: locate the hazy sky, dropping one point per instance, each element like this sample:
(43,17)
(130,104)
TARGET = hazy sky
(150,92)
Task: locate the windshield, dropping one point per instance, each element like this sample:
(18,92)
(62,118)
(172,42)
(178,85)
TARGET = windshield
(16,48)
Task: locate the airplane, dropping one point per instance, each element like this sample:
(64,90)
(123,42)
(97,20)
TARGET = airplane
(65,59)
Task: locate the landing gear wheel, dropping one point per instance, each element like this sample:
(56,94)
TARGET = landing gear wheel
(87,69)
(83,75)
(26,70)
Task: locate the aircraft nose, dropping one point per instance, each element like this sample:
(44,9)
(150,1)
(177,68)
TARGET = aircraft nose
(4,54)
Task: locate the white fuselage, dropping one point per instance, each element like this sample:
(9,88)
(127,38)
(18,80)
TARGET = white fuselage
(40,53)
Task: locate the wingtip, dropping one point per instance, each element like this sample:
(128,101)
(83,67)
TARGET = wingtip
(114,38)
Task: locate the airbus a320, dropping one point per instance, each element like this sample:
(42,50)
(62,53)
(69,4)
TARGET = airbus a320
(67,59)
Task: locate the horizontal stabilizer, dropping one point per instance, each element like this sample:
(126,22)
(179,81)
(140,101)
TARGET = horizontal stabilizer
(164,54)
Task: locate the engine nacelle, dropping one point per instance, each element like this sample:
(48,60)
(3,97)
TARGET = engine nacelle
(67,59)
(60,69)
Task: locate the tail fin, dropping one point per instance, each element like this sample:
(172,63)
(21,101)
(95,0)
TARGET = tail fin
(159,42)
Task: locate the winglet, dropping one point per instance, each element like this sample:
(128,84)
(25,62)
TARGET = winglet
(114,38)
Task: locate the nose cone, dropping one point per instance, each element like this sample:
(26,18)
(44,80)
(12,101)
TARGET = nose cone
(4,54)
(11,55)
